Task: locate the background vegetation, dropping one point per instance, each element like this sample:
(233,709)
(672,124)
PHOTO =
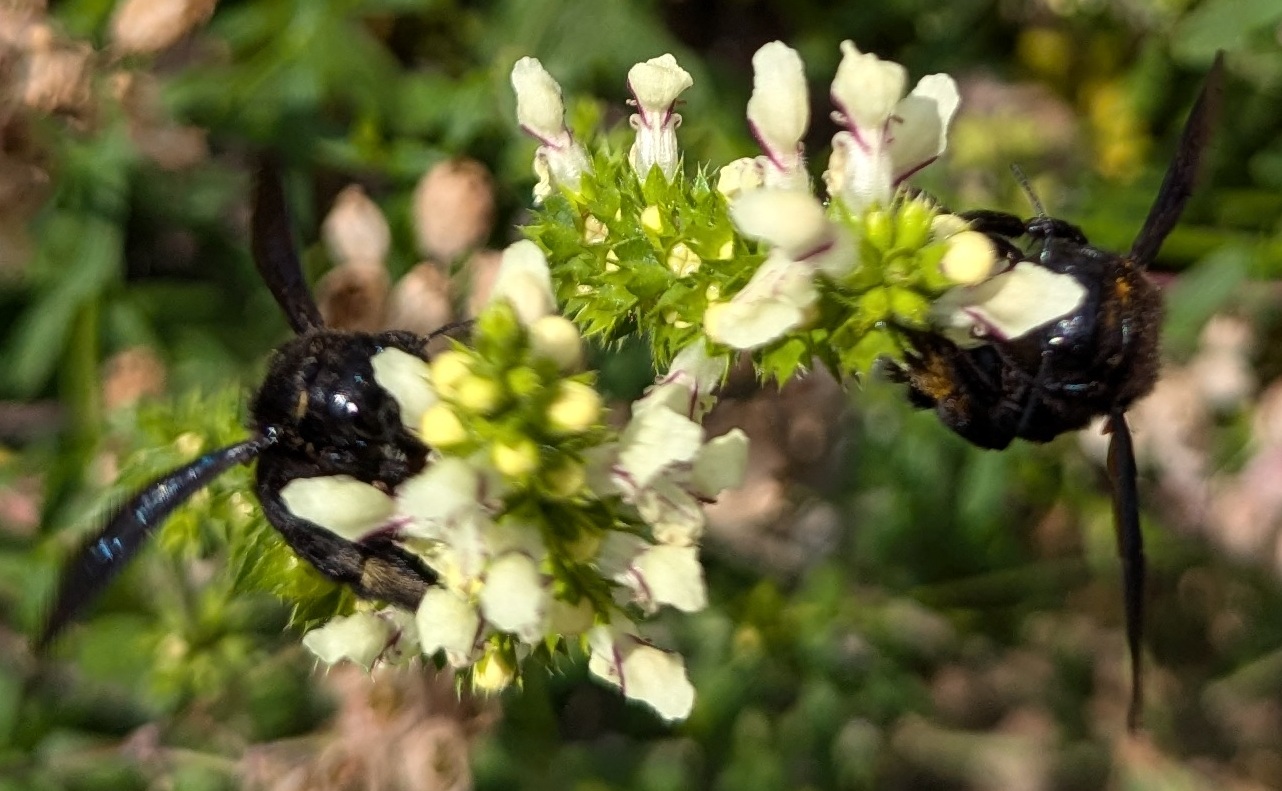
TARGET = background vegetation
(891,608)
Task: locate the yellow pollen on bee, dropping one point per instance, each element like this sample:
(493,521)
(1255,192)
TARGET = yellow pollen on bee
(300,408)
(1122,288)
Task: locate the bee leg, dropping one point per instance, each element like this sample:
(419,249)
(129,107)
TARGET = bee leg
(1130,545)
(1055,228)
(374,569)
(993,222)
(1030,402)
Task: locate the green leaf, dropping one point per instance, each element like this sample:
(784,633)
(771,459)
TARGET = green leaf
(1222,24)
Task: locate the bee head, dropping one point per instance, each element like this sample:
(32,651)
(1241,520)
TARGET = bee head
(320,400)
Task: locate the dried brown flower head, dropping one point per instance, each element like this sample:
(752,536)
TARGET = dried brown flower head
(453,209)
(141,26)
(421,301)
(131,375)
(355,230)
(354,296)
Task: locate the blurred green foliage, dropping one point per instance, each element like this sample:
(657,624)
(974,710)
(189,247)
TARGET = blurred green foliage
(827,679)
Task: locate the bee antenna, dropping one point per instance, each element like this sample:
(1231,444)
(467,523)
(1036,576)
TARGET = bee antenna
(1027,187)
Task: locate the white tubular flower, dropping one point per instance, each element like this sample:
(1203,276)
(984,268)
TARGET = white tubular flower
(655,86)
(409,380)
(448,623)
(776,301)
(641,671)
(782,291)
(341,504)
(655,574)
(779,114)
(1007,305)
(700,373)
(887,136)
(540,111)
(658,437)
(661,465)
(525,280)
(359,638)
(448,505)
(795,223)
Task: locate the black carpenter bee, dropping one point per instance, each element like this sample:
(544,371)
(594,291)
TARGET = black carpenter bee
(1093,362)
(319,412)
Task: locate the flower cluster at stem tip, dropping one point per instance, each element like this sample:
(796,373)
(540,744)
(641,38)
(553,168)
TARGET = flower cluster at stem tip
(550,532)
(545,528)
(748,259)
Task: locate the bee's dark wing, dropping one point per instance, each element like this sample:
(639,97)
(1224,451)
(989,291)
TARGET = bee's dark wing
(1130,545)
(1182,174)
(276,256)
(111,549)
(375,568)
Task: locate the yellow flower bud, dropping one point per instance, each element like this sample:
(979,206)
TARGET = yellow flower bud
(576,408)
(682,260)
(651,219)
(565,479)
(970,258)
(556,338)
(492,674)
(523,381)
(447,368)
(441,427)
(594,231)
(479,394)
(879,230)
(516,459)
(913,223)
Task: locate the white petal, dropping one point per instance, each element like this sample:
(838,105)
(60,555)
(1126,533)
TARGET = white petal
(791,220)
(656,439)
(674,515)
(657,83)
(539,107)
(924,116)
(672,575)
(867,88)
(1012,303)
(695,368)
(408,379)
(779,110)
(525,280)
(701,374)
(358,638)
(514,598)
(773,303)
(720,464)
(446,490)
(339,503)
(447,622)
(860,175)
(642,672)
(616,552)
